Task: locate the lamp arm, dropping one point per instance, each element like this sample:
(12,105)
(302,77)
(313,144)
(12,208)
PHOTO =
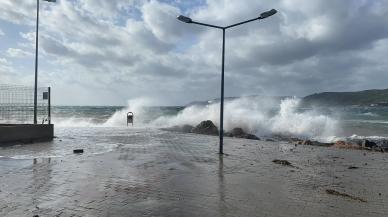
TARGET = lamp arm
(240,23)
(208,25)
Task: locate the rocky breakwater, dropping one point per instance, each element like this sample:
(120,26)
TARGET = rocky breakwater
(208,128)
(358,144)
(379,145)
(239,133)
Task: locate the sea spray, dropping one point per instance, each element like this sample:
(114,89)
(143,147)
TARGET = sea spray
(308,124)
(89,116)
(263,117)
(137,106)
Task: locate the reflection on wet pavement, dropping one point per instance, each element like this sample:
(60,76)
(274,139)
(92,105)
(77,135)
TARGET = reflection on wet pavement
(148,172)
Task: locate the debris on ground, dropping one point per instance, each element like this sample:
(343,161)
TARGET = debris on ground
(283,162)
(78,151)
(337,193)
(353,167)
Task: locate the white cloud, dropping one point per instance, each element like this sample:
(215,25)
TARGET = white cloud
(17,12)
(3,61)
(17,53)
(160,18)
(1,32)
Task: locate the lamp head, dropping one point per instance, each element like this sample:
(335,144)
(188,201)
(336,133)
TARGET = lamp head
(184,19)
(268,14)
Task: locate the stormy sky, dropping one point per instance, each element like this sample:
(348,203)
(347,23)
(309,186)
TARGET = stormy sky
(99,52)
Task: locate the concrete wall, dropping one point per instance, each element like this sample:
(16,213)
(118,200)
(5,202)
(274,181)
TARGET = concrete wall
(26,133)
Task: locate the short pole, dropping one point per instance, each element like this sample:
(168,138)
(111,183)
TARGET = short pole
(49,105)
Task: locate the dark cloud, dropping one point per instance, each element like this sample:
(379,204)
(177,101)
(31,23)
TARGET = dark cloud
(309,46)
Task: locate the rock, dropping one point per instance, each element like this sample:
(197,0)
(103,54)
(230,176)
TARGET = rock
(345,145)
(323,144)
(307,142)
(78,151)
(228,134)
(384,145)
(239,133)
(205,127)
(251,136)
(368,144)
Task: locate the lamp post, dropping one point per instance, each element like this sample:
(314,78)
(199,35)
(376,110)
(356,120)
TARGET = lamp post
(36,61)
(189,20)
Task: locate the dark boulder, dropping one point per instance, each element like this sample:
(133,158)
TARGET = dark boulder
(307,142)
(322,144)
(205,127)
(251,136)
(368,144)
(239,133)
(228,134)
(384,145)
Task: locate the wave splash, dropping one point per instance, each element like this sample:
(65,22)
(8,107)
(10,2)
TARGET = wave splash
(262,117)
(117,119)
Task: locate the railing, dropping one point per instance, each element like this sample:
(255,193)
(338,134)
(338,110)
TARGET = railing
(17,104)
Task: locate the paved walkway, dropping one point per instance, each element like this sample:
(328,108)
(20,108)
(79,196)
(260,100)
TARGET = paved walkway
(156,173)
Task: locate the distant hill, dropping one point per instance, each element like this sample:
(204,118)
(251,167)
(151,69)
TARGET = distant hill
(360,98)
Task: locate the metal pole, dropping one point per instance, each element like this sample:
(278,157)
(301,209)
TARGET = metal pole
(49,105)
(36,65)
(222,95)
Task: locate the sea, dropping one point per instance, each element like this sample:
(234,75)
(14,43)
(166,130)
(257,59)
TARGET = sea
(263,118)
(100,129)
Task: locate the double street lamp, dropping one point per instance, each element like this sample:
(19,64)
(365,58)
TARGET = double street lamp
(36,61)
(190,21)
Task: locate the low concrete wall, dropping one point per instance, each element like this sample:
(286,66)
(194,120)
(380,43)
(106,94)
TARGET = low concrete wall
(26,133)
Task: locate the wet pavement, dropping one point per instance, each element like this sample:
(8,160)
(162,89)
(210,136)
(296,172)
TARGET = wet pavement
(148,172)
